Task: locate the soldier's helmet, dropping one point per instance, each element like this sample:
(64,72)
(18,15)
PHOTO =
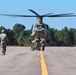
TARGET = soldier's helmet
(3,31)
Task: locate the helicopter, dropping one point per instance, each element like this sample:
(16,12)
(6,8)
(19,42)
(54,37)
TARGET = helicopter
(40,30)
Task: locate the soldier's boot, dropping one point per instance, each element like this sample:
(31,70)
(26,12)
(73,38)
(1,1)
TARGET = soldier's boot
(43,47)
(39,48)
(4,51)
(4,54)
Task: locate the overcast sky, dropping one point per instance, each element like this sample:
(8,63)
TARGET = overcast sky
(40,6)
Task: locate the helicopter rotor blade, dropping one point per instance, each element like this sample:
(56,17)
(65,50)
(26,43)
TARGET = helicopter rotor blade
(46,14)
(62,15)
(34,12)
(18,15)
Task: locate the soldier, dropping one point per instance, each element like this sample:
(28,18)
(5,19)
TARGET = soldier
(4,40)
(42,43)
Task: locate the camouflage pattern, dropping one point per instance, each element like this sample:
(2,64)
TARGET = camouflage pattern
(39,34)
(4,40)
(40,31)
(35,44)
(38,44)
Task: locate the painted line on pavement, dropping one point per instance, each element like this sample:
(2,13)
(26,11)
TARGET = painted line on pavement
(43,65)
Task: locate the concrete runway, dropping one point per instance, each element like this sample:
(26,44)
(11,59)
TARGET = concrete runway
(24,61)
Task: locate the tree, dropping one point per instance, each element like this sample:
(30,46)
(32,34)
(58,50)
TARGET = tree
(65,36)
(74,30)
(18,30)
(11,38)
(27,38)
(59,38)
(52,36)
(21,39)
(71,37)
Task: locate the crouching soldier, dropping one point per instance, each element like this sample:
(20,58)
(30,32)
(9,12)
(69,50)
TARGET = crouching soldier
(4,40)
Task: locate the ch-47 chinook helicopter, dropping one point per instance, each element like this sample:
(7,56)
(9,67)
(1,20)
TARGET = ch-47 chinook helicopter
(39,29)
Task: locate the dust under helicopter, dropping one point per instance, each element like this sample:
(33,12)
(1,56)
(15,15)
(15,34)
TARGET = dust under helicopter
(40,30)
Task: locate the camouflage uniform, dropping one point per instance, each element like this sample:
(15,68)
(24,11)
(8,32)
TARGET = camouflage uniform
(42,43)
(35,43)
(4,39)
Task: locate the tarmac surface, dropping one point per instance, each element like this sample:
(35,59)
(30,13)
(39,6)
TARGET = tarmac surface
(24,61)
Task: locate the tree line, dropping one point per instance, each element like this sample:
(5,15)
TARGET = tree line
(19,36)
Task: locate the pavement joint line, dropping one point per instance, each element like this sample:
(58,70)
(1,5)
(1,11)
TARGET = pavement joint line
(43,65)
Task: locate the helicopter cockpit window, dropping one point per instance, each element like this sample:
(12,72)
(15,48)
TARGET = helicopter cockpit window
(42,26)
(37,25)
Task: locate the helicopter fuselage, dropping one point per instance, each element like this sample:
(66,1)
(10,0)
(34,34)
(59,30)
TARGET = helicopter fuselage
(39,35)
(39,30)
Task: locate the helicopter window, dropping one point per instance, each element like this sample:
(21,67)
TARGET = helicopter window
(37,26)
(40,26)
